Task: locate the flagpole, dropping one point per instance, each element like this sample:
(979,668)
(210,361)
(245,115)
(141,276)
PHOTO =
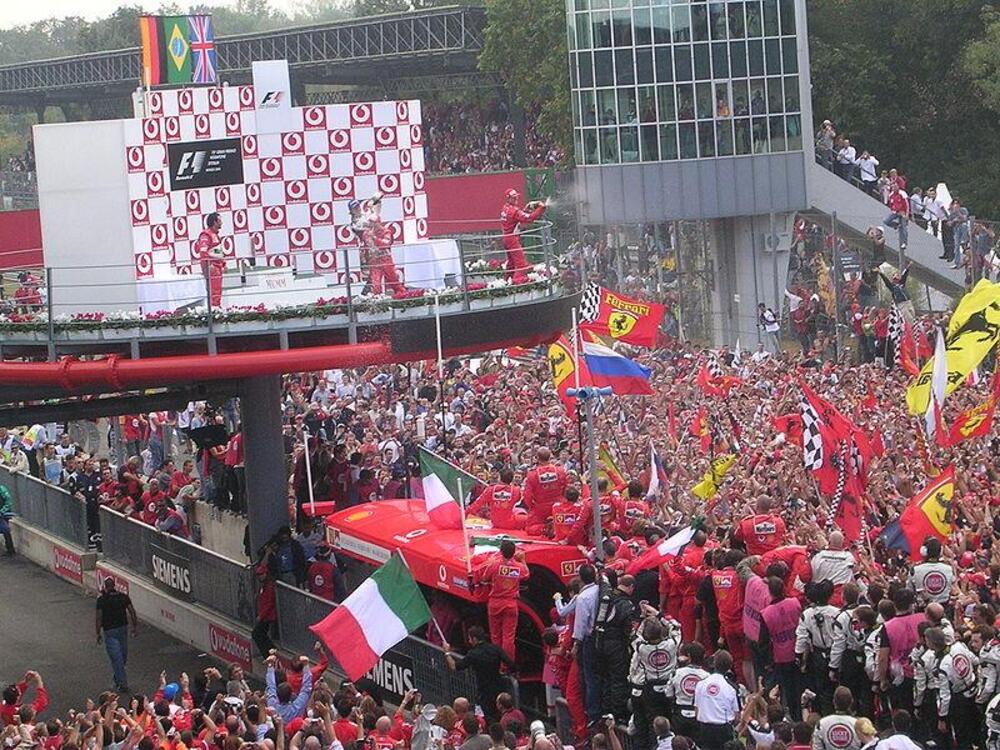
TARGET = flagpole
(309,477)
(465,532)
(440,369)
(576,375)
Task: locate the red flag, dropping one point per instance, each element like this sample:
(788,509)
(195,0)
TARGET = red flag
(929,513)
(701,428)
(870,401)
(717,386)
(791,425)
(628,320)
(974,422)
(941,437)
(848,517)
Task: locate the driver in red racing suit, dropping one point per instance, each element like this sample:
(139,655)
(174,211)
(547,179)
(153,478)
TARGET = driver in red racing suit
(376,244)
(511,217)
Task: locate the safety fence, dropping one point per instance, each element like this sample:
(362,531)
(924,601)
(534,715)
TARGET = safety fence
(47,507)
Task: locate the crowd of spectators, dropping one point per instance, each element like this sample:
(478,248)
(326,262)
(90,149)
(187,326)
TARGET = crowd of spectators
(462,139)
(23,162)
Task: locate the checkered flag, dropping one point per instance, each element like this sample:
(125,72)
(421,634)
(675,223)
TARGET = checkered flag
(812,441)
(838,495)
(590,303)
(714,368)
(896,337)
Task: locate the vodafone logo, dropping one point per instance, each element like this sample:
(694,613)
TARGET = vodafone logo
(249,146)
(320,214)
(184,270)
(172,128)
(364,162)
(215,99)
(159,234)
(291,144)
(405,158)
(300,238)
(314,118)
(151,130)
(346,236)
(389,184)
(185,101)
(135,157)
(324,259)
(385,137)
(402,111)
(409,206)
(422,228)
(201,126)
(192,199)
(155,103)
(659,659)
(222,198)
(318,165)
(343,187)
(279,261)
(227,245)
(295,191)
(418,180)
(180,226)
(143,264)
(270,169)
(233,125)
(154,183)
(257,242)
(246,97)
(274,217)
(240,220)
(396,228)
(935,583)
(340,140)
(361,114)
(253,194)
(140,212)
(840,735)
(230,646)
(416,135)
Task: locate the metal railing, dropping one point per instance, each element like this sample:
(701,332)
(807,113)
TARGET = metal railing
(47,507)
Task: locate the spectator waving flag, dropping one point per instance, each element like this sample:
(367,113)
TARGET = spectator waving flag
(445,487)
(622,318)
(380,613)
(609,368)
(666,550)
(657,474)
(563,362)
(929,513)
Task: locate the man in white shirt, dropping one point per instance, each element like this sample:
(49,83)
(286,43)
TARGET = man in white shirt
(847,157)
(902,727)
(716,704)
(834,564)
(868,166)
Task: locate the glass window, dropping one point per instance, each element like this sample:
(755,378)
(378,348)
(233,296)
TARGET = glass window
(644,64)
(787,10)
(585,62)
(755,49)
(587,111)
(699,23)
(609,145)
(775,101)
(578,146)
(619,3)
(590,153)
(601,23)
(681,24)
(682,63)
(668,142)
(759,131)
(717,20)
(772,53)
(738,56)
(664,64)
(584,39)
(582,4)
(754,26)
(685,101)
(649,143)
(724,138)
(723,103)
(770,17)
(737,27)
(688,140)
(758,101)
(742,132)
(624,67)
(607,106)
(630,144)
(571,36)
(643,29)
(599,4)
(777,134)
(574,80)
(720,60)
(604,72)
(665,103)
(793,126)
(626,107)
(640,3)
(661,26)
(706,138)
(704,100)
(702,63)
(621,22)
(791,94)
(791,59)
(647,104)
(741,98)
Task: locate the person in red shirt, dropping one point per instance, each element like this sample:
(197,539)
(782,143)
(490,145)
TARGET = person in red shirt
(567,515)
(795,558)
(345,730)
(152,499)
(762,532)
(207,249)
(543,487)
(13,697)
(632,508)
(511,217)
(293,675)
(339,474)
(500,502)
(503,573)
(728,589)
(689,571)
(182,478)
(509,712)
(267,607)
(324,577)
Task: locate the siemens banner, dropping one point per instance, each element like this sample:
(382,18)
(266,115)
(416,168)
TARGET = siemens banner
(171,571)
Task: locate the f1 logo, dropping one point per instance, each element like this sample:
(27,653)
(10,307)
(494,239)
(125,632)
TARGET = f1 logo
(271,99)
(191,163)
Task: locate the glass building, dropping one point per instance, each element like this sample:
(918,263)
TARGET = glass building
(659,80)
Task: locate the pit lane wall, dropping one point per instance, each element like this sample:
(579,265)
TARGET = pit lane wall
(198,596)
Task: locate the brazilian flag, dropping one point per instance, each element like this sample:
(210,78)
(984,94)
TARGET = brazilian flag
(175,36)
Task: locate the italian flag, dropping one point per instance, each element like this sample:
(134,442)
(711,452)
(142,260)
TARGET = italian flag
(446,488)
(380,613)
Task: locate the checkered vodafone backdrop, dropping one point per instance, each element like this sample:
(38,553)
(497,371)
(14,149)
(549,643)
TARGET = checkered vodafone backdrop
(282,196)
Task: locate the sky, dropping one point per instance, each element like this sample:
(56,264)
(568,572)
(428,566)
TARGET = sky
(15,13)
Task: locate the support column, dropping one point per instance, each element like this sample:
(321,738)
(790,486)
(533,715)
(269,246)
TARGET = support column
(266,478)
(40,108)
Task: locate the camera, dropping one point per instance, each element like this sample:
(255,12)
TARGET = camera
(537,730)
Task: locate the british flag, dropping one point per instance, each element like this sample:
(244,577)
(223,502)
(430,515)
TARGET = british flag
(203,55)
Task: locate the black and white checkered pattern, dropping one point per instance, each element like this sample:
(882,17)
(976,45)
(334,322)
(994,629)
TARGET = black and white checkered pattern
(590,303)
(838,495)
(714,368)
(812,441)
(896,337)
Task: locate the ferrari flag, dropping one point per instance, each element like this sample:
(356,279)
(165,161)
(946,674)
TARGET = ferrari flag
(977,421)
(563,363)
(621,318)
(928,514)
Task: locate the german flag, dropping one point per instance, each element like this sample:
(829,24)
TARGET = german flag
(154,51)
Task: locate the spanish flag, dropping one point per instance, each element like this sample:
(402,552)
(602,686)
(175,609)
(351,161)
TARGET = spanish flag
(929,513)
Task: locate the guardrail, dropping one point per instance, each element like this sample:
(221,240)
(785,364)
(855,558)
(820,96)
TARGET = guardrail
(47,507)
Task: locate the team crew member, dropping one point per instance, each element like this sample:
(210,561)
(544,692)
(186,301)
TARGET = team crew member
(955,667)
(896,640)
(512,217)
(114,613)
(566,518)
(376,244)
(836,731)
(728,590)
(813,639)
(779,619)
(716,704)
(631,509)
(544,486)
(932,579)
(688,675)
(324,577)
(500,501)
(834,564)
(654,660)
(503,572)
(762,532)
(847,654)
(207,249)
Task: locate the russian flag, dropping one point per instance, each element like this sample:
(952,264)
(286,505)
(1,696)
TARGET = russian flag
(608,368)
